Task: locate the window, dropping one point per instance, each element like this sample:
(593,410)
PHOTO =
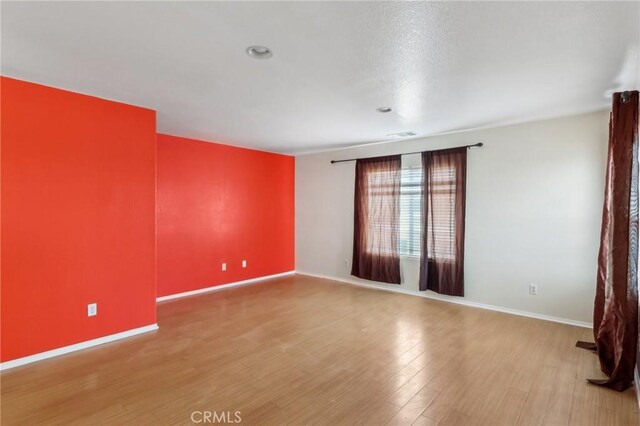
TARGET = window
(442,223)
(442,219)
(442,212)
(380,185)
(410,212)
(395,201)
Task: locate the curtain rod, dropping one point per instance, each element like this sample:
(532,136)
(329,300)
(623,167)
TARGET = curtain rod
(479,144)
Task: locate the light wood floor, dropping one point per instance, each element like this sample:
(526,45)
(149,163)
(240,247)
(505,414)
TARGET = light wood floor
(301,350)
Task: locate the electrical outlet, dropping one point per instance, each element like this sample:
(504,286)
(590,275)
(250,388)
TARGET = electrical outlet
(244,263)
(533,289)
(92,309)
(224,266)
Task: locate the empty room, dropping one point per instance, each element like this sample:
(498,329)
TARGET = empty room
(319,213)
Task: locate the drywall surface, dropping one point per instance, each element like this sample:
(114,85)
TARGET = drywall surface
(534,206)
(78,226)
(219,204)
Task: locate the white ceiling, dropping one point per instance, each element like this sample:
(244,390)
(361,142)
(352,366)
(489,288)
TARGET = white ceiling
(441,66)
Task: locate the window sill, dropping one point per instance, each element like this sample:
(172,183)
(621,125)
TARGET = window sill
(409,257)
(417,258)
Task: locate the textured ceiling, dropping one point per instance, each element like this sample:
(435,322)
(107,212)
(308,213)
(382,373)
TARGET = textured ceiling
(441,66)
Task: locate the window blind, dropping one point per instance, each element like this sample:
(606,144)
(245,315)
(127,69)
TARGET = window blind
(380,194)
(410,212)
(442,210)
(410,227)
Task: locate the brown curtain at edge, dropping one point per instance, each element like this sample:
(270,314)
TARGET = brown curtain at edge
(376,228)
(443,219)
(615,319)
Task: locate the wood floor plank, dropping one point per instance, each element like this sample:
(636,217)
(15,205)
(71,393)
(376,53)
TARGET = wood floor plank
(508,409)
(424,421)
(455,418)
(414,407)
(302,350)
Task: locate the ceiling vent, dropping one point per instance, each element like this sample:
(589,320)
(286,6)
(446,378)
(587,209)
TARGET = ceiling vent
(402,134)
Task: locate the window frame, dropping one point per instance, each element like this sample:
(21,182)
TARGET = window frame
(412,246)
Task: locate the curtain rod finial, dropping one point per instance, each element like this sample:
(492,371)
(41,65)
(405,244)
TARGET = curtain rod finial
(625,97)
(480,144)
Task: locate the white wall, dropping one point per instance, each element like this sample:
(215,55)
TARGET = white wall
(534,205)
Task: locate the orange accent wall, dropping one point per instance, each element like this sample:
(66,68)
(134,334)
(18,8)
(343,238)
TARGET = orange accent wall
(218,203)
(77,216)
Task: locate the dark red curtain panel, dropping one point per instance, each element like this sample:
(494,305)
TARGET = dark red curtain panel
(443,209)
(376,230)
(615,319)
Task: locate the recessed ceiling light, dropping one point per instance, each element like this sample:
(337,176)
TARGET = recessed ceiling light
(383,109)
(259,52)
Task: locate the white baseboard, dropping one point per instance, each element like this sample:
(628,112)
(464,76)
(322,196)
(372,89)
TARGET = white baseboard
(451,299)
(223,286)
(76,347)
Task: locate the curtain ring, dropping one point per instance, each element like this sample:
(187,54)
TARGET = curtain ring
(625,97)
